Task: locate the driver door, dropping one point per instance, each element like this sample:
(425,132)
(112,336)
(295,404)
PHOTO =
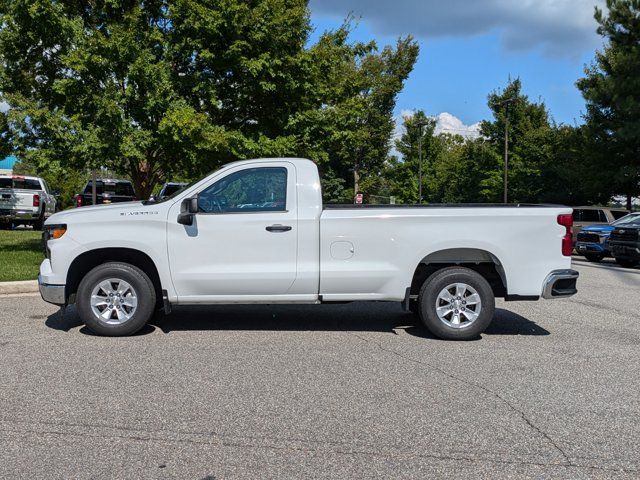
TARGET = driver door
(243,239)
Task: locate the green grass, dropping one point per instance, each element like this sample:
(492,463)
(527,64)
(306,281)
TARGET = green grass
(20,255)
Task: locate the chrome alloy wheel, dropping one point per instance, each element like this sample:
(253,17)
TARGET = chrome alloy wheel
(114,301)
(458,305)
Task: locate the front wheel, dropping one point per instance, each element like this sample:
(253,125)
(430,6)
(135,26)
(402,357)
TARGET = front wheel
(594,257)
(626,262)
(456,303)
(115,299)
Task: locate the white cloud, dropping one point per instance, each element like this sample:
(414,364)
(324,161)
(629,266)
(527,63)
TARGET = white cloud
(559,27)
(447,123)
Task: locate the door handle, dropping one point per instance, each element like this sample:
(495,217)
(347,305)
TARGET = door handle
(278,228)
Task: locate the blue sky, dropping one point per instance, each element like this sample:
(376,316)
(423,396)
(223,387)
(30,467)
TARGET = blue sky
(466,54)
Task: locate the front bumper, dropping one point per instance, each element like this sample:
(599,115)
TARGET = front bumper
(591,247)
(51,293)
(625,250)
(560,284)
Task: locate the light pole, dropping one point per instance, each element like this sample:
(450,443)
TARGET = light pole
(420,124)
(506,104)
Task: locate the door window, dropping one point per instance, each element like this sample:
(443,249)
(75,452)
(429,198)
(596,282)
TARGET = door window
(261,189)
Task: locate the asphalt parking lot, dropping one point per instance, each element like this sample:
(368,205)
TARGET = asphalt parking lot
(343,391)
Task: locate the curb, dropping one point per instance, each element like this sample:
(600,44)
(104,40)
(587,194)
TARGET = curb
(26,286)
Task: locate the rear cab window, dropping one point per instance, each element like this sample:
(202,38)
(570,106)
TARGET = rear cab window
(113,188)
(20,183)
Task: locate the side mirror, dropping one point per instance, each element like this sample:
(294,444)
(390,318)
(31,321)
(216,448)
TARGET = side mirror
(188,208)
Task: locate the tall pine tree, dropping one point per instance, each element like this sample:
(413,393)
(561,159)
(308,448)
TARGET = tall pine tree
(611,89)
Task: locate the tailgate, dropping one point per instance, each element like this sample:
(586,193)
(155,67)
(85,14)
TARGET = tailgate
(16,199)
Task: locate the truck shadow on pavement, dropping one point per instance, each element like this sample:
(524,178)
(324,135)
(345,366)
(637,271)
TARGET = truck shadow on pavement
(359,317)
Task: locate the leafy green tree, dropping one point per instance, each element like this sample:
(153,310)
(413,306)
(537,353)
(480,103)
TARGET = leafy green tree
(530,153)
(157,89)
(574,176)
(348,129)
(611,88)
(418,130)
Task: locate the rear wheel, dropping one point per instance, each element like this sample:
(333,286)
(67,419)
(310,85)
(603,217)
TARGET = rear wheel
(626,262)
(456,303)
(115,299)
(594,257)
(39,223)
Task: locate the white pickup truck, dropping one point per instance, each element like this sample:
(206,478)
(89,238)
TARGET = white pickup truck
(25,201)
(257,232)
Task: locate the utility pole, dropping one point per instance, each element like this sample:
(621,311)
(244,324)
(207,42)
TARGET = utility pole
(420,124)
(506,104)
(94,179)
(506,153)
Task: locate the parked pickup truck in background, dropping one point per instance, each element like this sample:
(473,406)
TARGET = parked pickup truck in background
(593,241)
(107,191)
(624,241)
(25,201)
(257,232)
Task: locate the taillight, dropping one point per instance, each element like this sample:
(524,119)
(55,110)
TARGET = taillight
(566,220)
(78,200)
(36,200)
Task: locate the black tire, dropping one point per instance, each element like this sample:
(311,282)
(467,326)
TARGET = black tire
(594,257)
(39,223)
(141,285)
(414,307)
(436,283)
(626,262)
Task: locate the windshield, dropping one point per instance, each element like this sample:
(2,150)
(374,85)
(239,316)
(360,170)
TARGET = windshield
(618,214)
(631,220)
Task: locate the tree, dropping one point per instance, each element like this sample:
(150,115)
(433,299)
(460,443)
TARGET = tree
(611,88)
(418,132)
(529,133)
(156,89)
(348,129)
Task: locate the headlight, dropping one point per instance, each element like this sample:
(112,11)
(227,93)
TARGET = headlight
(51,232)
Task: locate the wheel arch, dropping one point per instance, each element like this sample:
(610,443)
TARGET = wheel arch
(86,261)
(482,261)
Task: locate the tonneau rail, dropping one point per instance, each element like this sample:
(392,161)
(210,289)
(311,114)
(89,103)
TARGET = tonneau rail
(332,206)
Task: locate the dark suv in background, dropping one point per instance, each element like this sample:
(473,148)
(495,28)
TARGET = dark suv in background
(107,191)
(624,242)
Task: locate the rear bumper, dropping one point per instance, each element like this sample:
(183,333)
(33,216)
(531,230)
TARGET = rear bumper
(560,284)
(12,214)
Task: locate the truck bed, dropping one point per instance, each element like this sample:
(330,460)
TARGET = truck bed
(373,250)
